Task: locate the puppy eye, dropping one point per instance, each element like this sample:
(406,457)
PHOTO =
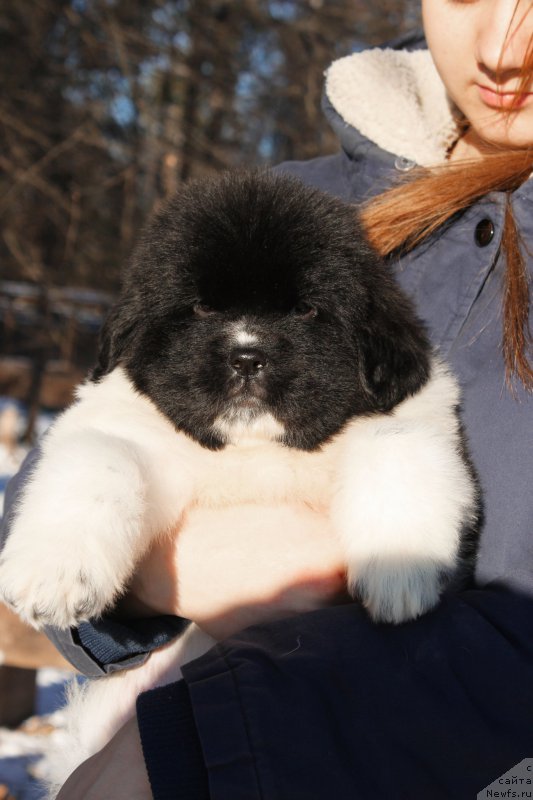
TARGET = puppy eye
(202,310)
(304,310)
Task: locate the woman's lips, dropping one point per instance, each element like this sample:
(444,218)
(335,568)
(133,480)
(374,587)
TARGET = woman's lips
(503,100)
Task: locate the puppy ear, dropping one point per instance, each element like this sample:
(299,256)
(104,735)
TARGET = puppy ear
(115,336)
(395,353)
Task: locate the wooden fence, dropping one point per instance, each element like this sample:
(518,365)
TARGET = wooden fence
(48,341)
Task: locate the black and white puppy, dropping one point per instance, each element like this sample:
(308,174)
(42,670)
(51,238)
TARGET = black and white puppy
(260,353)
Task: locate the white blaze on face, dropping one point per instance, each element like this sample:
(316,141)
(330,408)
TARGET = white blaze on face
(241,336)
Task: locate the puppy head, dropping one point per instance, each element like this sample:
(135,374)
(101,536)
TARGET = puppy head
(253,303)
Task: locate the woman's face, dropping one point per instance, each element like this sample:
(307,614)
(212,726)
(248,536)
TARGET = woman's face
(479,48)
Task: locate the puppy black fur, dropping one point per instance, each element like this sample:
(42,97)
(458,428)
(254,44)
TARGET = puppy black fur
(336,337)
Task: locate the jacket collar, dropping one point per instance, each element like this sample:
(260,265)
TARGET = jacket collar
(392,102)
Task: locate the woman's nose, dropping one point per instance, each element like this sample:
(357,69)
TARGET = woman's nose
(504,37)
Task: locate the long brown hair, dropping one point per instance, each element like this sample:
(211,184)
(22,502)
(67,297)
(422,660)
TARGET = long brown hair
(402,217)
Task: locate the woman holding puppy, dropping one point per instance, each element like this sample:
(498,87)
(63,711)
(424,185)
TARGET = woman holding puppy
(326,704)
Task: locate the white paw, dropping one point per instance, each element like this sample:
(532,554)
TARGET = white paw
(397,592)
(77,536)
(46,588)
(62,571)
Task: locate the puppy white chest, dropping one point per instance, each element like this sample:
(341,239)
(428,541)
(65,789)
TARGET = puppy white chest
(259,472)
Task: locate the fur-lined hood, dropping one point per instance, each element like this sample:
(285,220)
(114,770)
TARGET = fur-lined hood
(394,99)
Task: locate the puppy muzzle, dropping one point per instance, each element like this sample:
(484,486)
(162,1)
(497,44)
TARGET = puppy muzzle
(248,368)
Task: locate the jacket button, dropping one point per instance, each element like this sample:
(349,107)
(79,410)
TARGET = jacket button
(404,164)
(484,233)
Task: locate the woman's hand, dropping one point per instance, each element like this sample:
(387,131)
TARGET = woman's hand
(230,568)
(117,772)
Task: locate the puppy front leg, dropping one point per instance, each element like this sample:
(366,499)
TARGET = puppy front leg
(79,530)
(404,500)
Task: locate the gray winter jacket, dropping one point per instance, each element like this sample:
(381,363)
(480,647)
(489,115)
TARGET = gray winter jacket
(455,280)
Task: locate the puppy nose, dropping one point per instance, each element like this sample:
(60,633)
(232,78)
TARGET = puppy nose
(248,362)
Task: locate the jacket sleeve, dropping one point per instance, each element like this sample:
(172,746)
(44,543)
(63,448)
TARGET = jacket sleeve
(331,705)
(105,645)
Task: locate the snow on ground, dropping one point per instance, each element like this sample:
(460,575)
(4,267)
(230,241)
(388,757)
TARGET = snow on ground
(23,751)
